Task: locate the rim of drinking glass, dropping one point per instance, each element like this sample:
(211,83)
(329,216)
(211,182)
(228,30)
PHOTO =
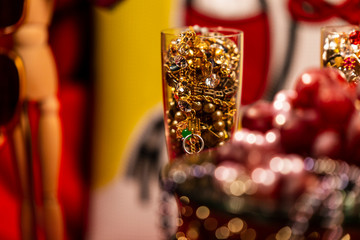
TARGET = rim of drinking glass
(230,32)
(337,28)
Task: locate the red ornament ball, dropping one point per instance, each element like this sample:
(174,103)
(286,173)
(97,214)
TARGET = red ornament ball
(354,37)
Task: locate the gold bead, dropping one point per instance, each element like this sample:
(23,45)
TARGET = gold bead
(209,108)
(179,116)
(219,125)
(174,123)
(173,133)
(221,135)
(217,115)
(197,106)
(172,104)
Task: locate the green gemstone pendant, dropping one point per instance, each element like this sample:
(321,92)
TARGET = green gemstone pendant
(186,132)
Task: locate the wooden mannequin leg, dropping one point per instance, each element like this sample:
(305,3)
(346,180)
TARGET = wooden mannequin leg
(49,149)
(27,217)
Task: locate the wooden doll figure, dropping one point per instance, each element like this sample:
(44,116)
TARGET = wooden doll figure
(30,43)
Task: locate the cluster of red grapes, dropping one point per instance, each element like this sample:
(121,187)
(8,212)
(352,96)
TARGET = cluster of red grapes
(318,117)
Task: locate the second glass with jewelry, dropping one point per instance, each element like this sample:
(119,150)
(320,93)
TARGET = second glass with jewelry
(340,48)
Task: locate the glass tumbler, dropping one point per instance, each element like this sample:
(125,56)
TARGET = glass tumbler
(340,48)
(201,79)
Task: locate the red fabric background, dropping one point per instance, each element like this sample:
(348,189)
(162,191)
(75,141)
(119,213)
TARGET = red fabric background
(321,10)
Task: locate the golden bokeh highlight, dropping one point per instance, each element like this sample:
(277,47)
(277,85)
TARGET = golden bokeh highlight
(180,222)
(178,235)
(237,188)
(184,200)
(202,212)
(192,233)
(284,233)
(235,225)
(222,233)
(346,237)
